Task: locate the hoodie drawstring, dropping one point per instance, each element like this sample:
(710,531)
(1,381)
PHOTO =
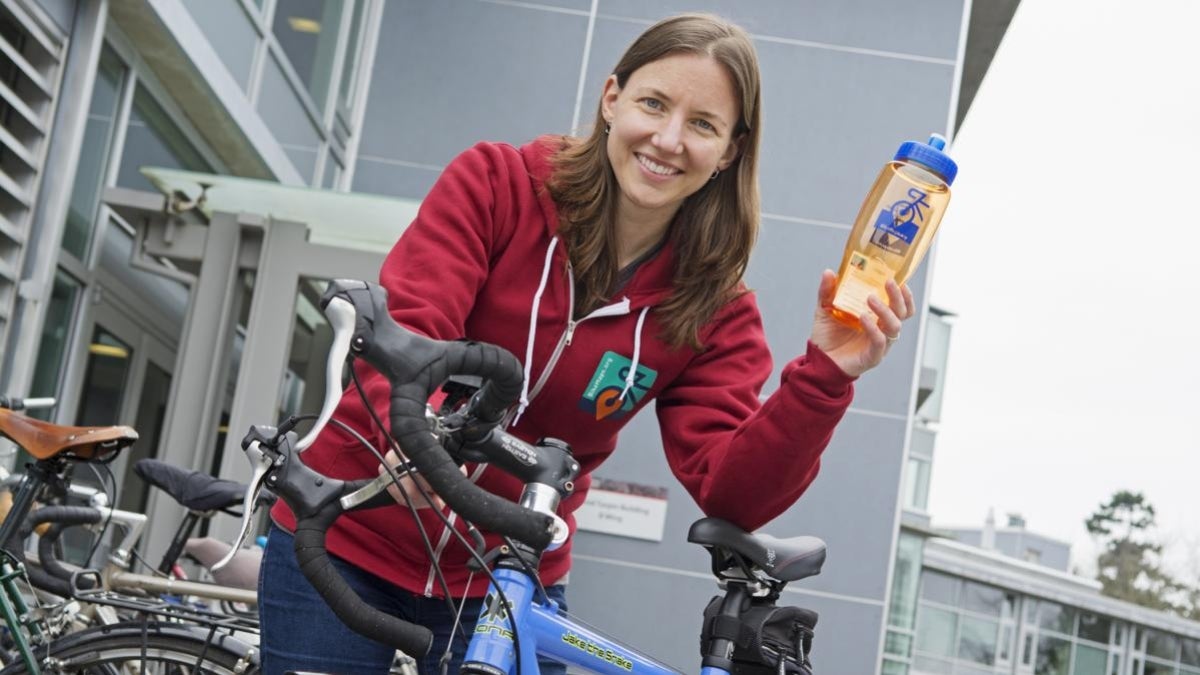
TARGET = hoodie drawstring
(637,352)
(537,301)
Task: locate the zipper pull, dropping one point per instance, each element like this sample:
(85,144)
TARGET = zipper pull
(571,331)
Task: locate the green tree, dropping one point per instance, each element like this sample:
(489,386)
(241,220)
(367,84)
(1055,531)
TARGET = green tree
(1129,564)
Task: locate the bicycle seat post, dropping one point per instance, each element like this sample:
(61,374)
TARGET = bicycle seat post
(726,627)
(35,477)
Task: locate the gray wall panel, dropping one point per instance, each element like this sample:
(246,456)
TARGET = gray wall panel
(846,636)
(583,7)
(609,40)
(395,180)
(450,74)
(826,130)
(784,272)
(921,27)
(639,616)
(851,505)
(831,119)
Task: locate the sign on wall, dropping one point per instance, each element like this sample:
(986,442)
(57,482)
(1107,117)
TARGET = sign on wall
(625,509)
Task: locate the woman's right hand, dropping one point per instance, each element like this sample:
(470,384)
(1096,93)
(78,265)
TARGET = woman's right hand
(410,482)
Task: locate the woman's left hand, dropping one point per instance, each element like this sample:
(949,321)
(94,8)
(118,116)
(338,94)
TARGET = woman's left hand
(857,351)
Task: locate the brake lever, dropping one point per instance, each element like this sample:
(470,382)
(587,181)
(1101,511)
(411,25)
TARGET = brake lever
(262,463)
(341,315)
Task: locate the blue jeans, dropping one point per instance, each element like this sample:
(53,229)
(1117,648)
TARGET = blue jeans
(300,632)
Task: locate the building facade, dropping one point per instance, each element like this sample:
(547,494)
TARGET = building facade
(970,601)
(103,303)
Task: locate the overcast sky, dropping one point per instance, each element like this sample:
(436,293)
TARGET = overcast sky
(1069,253)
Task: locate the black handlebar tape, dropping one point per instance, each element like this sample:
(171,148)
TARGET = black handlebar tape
(416,366)
(411,431)
(62,517)
(362,618)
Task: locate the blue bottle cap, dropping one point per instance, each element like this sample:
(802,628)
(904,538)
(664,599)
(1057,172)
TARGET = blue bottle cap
(930,156)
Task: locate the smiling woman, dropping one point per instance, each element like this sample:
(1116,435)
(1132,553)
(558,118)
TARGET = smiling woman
(613,263)
(670,132)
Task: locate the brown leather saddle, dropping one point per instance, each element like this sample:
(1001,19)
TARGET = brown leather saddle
(43,440)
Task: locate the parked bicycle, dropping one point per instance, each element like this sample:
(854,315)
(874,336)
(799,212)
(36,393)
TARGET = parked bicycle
(518,621)
(168,634)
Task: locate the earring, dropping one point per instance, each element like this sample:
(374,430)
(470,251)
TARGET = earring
(608,127)
(715,173)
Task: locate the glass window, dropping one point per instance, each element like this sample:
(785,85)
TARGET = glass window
(307,31)
(897,643)
(1190,653)
(333,171)
(1090,661)
(936,629)
(926,664)
(1162,645)
(151,412)
(1093,627)
(1010,606)
(983,599)
(55,335)
(894,668)
(350,61)
(1004,649)
(977,640)
(281,109)
(1053,656)
(153,139)
(936,349)
(916,484)
(104,380)
(1055,617)
(1153,668)
(905,579)
(93,156)
(939,587)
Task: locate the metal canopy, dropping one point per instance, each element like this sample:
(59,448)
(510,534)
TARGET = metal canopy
(211,228)
(343,219)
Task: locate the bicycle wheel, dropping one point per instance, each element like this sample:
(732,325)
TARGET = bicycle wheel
(160,650)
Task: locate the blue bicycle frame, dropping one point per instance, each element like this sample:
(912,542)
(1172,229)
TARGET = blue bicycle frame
(543,629)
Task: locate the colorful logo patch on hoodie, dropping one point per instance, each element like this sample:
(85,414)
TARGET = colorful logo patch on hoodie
(603,398)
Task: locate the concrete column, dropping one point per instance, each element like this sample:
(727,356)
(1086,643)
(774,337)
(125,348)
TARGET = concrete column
(201,369)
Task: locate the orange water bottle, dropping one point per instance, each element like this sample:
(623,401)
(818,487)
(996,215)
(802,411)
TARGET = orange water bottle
(895,226)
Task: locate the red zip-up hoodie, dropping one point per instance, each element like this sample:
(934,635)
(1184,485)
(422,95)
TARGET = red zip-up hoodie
(481,260)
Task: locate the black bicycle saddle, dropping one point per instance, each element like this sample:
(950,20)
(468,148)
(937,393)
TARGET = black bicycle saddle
(195,490)
(782,559)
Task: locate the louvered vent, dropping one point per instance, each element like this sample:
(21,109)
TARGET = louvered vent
(30,67)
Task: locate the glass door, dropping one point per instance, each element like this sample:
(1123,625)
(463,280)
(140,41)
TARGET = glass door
(126,380)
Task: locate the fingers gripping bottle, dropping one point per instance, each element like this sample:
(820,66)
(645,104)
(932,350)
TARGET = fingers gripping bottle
(895,226)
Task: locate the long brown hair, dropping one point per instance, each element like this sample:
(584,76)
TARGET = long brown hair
(715,228)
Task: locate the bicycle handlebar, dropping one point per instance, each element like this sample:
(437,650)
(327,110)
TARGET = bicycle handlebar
(415,366)
(49,574)
(14,403)
(62,517)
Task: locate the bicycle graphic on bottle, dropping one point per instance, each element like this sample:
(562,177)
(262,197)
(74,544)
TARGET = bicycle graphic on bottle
(897,225)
